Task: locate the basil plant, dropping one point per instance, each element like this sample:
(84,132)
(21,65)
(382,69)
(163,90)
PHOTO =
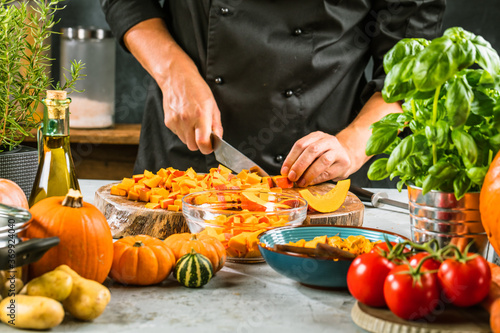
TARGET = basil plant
(451,109)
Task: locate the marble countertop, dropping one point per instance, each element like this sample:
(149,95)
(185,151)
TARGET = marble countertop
(240,298)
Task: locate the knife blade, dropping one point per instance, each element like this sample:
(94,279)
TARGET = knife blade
(377,199)
(233,158)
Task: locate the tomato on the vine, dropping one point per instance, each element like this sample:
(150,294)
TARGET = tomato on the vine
(383,246)
(465,280)
(429,263)
(411,295)
(366,276)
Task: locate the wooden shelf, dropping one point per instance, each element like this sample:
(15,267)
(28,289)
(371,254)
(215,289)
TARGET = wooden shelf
(120,134)
(103,153)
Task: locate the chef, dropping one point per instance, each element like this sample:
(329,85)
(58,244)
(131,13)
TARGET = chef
(283,81)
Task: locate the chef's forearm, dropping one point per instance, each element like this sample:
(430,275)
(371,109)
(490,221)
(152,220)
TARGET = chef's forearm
(356,135)
(152,45)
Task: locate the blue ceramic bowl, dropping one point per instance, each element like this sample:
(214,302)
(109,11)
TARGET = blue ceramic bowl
(313,271)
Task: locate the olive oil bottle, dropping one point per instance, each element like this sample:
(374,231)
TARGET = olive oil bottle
(56,171)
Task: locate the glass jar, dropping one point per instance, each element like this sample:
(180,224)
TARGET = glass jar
(95,106)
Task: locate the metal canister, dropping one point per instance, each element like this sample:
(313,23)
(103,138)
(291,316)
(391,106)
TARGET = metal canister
(439,215)
(16,254)
(95,106)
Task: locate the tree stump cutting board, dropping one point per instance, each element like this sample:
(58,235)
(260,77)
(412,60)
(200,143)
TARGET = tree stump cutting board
(127,217)
(447,319)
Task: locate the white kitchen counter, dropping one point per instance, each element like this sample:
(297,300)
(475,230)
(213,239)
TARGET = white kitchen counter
(240,298)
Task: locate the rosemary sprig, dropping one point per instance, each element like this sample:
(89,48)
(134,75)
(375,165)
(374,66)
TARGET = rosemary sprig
(25,30)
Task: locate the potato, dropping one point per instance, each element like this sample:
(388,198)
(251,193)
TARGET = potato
(11,287)
(31,312)
(54,284)
(87,299)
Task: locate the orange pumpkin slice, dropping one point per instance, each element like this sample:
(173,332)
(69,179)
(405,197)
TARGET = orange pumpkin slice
(330,201)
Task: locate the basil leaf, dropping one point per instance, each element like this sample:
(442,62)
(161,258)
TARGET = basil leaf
(378,170)
(477,174)
(437,134)
(380,139)
(473,76)
(486,56)
(404,48)
(458,101)
(494,142)
(461,185)
(439,173)
(465,145)
(435,64)
(400,153)
(482,104)
(398,84)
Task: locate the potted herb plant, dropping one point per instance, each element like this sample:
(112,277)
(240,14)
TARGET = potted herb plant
(25,31)
(451,106)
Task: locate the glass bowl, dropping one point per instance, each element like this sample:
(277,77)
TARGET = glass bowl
(238,217)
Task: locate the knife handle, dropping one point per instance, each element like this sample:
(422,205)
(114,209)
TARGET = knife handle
(361,192)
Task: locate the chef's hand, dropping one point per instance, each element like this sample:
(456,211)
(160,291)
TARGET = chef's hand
(189,106)
(316,158)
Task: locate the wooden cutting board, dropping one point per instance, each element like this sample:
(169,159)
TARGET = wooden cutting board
(127,217)
(446,320)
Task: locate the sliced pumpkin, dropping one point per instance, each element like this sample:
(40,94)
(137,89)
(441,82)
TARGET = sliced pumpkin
(330,201)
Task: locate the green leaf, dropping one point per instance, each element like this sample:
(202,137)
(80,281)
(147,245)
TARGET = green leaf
(482,104)
(437,134)
(494,142)
(458,101)
(378,170)
(465,145)
(398,84)
(477,174)
(486,56)
(400,153)
(461,185)
(380,139)
(404,48)
(435,64)
(439,173)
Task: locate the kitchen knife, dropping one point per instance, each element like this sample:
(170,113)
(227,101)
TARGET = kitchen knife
(233,158)
(377,199)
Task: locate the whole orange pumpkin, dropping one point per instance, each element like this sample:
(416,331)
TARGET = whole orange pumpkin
(141,260)
(489,200)
(206,245)
(12,195)
(86,243)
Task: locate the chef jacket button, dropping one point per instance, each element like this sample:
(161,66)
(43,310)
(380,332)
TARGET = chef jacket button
(224,11)
(289,93)
(297,32)
(279,158)
(218,80)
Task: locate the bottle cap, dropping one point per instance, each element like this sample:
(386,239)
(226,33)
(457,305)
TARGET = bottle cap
(56,94)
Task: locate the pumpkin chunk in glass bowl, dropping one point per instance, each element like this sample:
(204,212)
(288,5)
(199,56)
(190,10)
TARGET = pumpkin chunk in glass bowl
(238,217)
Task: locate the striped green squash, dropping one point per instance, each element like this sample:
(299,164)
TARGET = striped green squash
(193,270)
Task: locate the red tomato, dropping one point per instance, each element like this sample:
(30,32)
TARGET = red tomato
(430,264)
(366,276)
(465,283)
(408,297)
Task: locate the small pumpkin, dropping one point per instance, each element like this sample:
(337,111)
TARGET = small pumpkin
(193,270)
(86,243)
(489,200)
(12,195)
(141,260)
(209,246)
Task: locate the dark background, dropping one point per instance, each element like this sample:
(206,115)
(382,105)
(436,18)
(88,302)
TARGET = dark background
(480,17)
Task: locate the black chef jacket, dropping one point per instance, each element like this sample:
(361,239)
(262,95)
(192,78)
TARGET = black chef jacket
(278,69)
